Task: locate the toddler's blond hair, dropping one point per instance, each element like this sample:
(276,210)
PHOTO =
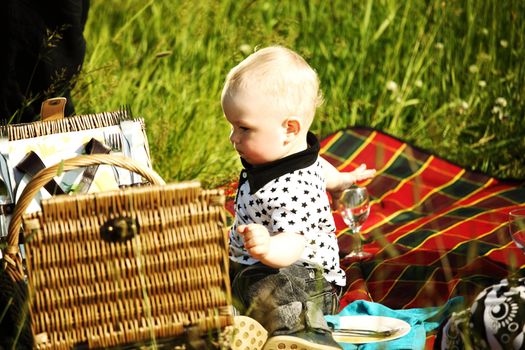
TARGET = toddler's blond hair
(282,75)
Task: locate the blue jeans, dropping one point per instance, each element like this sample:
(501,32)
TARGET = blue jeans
(286,300)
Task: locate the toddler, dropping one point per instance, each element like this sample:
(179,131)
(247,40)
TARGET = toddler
(283,249)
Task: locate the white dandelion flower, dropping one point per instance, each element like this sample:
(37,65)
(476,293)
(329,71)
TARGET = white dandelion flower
(439,46)
(391,86)
(245,49)
(418,83)
(482,83)
(504,43)
(473,69)
(501,101)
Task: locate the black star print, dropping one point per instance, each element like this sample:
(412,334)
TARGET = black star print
(283,214)
(264,212)
(273,189)
(251,203)
(258,214)
(294,211)
(319,210)
(265,223)
(300,172)
(312,242)
(311,256)
(283,205)
(287,179)
(304,205)
(291,222)
(285,189)
(325,263)
(312,200)
(321,245)
(306,192)
(312,225)
(280,229)
(294,199)
(245,217)
(304,219)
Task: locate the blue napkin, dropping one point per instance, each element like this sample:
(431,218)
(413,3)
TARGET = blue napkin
(421,321)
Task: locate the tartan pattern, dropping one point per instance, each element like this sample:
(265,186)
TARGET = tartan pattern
(436,230)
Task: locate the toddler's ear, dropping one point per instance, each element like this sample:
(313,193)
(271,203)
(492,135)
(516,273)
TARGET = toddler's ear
(293,126)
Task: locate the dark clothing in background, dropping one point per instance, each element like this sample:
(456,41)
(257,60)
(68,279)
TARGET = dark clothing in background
(43,49)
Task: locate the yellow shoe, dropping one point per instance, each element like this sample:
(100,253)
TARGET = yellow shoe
(302,340)
(248,334)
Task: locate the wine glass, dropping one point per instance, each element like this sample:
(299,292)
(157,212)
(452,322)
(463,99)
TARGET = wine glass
(517,227)
(354,206)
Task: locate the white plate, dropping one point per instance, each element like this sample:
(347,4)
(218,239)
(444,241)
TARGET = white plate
(375,323)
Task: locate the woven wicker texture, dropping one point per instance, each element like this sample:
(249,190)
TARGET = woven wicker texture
(170,273)
(76,123)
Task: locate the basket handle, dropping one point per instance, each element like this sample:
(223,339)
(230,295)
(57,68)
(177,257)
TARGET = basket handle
(45,175)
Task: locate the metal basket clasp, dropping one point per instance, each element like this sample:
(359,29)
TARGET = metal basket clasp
(119,229)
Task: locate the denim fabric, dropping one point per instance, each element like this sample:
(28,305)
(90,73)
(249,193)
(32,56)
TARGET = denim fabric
(286,300)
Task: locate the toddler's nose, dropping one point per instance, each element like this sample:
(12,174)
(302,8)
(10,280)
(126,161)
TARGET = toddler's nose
(233,137)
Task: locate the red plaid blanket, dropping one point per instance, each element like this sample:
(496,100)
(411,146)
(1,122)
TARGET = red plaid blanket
(436,230)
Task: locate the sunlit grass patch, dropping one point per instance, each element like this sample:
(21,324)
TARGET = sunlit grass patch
(447,76)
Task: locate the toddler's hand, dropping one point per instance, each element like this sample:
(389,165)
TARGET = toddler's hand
(256,240)
(360,173)
(348,179)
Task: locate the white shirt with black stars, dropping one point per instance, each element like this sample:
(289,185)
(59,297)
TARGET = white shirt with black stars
(294,202)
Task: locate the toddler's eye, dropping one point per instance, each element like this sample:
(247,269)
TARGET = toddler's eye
(243,128)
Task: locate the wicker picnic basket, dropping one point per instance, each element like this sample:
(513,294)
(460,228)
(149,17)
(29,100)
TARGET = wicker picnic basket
(123,266)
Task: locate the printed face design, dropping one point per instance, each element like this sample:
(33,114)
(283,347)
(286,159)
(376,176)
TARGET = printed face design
(259,132)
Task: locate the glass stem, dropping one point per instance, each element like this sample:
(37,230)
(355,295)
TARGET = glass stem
(358,246)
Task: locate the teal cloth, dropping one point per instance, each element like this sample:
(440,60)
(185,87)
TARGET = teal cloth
(421,321)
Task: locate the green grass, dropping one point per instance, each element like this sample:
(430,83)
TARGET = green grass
(447,76)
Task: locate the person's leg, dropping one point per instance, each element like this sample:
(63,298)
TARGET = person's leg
(321,299)
(288,302)
(247,333)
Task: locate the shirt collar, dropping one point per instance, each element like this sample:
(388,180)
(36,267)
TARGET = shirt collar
(257,177)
